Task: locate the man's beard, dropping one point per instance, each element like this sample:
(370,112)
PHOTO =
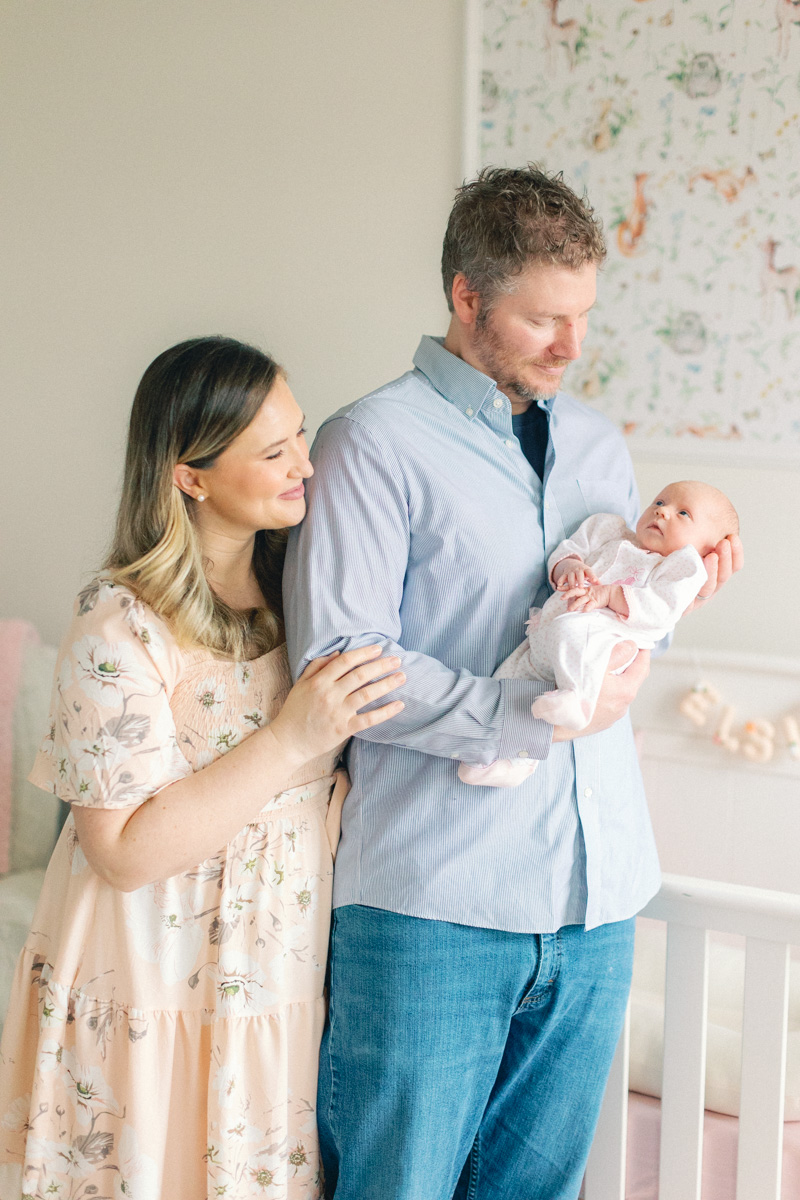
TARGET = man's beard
(531,395)
(493,355)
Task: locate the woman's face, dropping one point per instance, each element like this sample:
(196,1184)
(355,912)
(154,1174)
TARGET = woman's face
(257,482)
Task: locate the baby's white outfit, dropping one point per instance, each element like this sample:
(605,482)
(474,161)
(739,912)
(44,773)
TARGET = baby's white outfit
(572,649)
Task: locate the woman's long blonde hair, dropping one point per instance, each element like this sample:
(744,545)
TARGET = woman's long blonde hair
(193,400)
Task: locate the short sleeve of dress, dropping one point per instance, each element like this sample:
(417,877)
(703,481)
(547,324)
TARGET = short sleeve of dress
(111,741)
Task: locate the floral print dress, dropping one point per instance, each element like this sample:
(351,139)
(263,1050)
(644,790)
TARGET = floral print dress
(163,1042)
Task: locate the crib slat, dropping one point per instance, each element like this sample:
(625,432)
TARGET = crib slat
(766,1002)
(683,1080)
(605,1170)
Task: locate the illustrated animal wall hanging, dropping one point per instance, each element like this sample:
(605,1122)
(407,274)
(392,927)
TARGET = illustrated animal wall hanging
(681,119)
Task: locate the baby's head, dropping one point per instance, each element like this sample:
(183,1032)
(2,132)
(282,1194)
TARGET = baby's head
(687,514)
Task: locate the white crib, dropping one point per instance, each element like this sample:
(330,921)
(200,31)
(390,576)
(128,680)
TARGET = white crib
(770,921)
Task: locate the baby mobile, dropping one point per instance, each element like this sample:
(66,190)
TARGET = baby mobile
(755,740)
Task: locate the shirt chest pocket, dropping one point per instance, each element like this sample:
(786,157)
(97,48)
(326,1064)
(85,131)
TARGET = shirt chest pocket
(603,496)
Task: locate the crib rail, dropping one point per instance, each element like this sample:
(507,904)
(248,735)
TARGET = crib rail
(770,921)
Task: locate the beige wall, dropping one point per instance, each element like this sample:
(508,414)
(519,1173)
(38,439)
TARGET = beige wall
(759,610)
(278,170)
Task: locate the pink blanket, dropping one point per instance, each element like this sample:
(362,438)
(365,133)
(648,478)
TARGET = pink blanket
(14,636)
(720,1141)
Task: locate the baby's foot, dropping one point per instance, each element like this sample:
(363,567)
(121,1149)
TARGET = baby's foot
(562,707)
(505,772)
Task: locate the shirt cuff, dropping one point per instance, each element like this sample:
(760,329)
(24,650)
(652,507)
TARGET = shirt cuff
(523,735)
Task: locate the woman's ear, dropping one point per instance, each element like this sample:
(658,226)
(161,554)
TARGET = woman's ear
(187,479)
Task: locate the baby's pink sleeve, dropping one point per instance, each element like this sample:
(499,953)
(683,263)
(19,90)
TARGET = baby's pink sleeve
(657,606)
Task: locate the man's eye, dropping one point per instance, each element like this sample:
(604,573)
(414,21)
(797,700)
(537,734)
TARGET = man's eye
(300,432)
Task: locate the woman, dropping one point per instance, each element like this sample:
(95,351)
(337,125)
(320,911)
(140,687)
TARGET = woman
(163,1030)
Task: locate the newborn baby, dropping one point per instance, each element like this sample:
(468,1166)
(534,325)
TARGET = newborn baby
(612,586)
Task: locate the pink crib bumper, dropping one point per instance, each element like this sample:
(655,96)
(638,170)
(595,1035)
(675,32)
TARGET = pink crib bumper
(15,635)
(720,1142)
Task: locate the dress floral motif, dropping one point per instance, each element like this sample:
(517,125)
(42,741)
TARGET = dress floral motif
(163,1042)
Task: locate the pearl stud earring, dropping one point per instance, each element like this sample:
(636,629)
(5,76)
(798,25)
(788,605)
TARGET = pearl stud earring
(201,496)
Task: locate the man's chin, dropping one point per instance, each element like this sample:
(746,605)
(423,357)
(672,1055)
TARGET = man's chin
(535,394)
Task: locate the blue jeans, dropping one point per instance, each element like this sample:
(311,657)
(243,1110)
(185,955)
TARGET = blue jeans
(464,1062)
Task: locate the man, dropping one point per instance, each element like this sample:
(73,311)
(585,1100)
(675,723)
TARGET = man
(482,938)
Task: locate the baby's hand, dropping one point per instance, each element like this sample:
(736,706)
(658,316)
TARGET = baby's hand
(572,573)
(585,599)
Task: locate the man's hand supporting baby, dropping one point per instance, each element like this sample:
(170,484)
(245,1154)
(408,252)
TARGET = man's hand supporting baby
(617,693)
(725,560)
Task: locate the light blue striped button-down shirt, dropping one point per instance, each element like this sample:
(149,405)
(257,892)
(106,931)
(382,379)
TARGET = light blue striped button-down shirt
(428,531)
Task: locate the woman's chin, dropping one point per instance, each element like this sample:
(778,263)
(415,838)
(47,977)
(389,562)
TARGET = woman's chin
(291,513)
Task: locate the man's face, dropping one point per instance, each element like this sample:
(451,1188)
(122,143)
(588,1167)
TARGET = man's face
(528,337)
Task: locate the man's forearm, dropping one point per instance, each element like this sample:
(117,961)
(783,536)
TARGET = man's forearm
(453,713)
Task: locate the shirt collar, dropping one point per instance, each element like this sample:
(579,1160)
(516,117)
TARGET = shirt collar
(464,386)
(457,381)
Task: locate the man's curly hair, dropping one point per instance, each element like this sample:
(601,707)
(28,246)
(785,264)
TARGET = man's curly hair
(510,217)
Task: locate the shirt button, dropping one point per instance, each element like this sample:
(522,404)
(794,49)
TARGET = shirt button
(587,792)
(469,411)
(509,443)
(523,754)
(498,403)
(547,504)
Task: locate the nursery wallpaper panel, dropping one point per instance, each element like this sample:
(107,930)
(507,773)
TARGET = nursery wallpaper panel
(681,119)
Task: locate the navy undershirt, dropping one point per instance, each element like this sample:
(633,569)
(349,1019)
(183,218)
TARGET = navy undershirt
(532,431)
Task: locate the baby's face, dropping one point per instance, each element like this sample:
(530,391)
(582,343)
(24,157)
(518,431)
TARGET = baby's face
(682,514)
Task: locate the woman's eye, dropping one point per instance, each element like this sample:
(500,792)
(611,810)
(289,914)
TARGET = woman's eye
(277,455)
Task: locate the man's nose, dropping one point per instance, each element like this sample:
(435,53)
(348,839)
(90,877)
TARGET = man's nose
(568,341)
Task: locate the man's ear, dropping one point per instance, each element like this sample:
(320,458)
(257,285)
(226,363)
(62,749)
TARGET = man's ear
(466,302)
